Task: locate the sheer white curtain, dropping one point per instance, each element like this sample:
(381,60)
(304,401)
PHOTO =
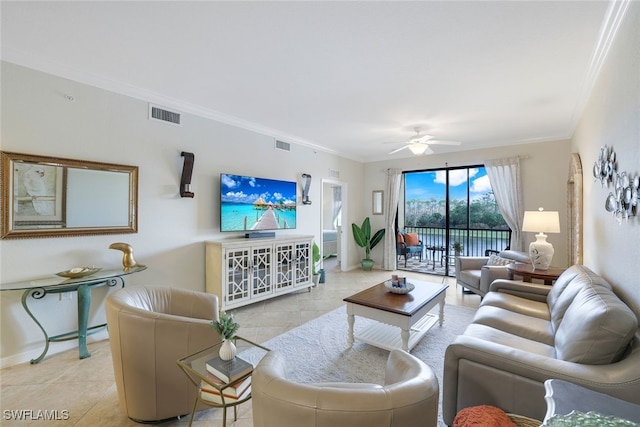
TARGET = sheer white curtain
(390,210)
(504,176)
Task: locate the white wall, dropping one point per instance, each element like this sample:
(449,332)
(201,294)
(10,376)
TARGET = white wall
(103,126)
(612,118)
(544,173)
(107,127)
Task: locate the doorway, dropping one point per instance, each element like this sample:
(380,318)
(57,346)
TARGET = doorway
(454,212)
(333,247)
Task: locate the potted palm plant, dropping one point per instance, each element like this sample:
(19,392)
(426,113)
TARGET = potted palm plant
(363,238)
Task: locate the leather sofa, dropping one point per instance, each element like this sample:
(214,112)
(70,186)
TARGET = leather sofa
(409,397)
(150,328)
(523,334)
(476,274)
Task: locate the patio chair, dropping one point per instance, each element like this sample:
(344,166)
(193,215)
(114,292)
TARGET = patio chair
(408,245)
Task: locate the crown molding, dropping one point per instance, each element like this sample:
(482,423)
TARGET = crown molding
(58,69)
(613,19)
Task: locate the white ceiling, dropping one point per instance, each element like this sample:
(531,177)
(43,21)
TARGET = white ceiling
(346,77)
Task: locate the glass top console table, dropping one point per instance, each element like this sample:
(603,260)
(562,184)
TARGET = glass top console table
(39,288)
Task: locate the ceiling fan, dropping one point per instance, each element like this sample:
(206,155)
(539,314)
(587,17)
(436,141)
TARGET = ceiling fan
(419,144)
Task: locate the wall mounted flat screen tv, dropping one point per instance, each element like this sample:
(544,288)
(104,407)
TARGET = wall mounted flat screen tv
(249,203)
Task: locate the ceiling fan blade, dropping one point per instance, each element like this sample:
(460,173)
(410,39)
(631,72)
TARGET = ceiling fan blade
(427,151)
(422,138)
(443,142)
(398,149)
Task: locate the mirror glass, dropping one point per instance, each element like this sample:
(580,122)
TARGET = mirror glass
(48,197)
(377,202)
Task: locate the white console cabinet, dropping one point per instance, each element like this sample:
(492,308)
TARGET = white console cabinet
(242,271)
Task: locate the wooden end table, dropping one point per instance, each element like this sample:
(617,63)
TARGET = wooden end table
(528,273)
(409,312)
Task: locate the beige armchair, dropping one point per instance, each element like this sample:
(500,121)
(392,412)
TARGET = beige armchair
(476,274)
(409,397)
(149,329)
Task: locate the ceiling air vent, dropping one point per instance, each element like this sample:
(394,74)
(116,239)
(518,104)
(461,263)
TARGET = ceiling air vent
(284,146)
(162,114)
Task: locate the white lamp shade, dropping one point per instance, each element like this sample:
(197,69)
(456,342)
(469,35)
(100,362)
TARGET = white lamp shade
(417,148)
(541,221)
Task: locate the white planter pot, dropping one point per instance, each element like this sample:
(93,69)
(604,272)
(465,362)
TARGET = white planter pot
(227,350)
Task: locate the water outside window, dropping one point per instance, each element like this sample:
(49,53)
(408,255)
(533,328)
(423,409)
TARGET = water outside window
(452,205)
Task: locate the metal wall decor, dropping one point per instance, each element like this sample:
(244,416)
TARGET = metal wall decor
(605,167)
(622,202)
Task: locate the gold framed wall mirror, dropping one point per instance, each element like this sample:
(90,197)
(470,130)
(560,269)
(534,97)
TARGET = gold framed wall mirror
(56,197)
(377,200)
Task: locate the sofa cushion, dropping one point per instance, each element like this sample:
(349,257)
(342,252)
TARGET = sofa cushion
(496,336)
(596,328)
(532,328)
(564,290)
(400,238)
(517,304)
(411,239)
(497,260)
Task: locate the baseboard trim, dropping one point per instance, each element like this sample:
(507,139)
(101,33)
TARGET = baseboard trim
(54,348)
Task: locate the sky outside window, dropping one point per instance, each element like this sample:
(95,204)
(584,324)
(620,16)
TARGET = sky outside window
(432,184)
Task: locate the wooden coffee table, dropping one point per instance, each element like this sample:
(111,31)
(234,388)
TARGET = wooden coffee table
(401,320)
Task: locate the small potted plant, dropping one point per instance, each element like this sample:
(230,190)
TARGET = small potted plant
(362,236)
(315,270)
(227,327)
(457,248)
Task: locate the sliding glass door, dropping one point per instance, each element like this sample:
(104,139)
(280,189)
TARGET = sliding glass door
(452,209)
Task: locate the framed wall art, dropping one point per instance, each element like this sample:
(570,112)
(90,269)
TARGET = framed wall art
(39,193)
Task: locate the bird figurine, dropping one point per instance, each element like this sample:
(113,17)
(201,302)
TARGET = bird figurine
(128,261)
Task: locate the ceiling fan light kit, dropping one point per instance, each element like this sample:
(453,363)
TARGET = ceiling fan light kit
(418,148)
(419,144)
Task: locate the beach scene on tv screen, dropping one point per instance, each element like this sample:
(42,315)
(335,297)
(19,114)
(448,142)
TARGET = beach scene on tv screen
(249,203)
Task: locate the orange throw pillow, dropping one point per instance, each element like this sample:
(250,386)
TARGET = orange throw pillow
(400,238)
(411,239)
(482,416)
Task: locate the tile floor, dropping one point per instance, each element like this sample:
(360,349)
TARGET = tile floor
(86,389)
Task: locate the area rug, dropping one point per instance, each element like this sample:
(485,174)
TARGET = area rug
(318,350)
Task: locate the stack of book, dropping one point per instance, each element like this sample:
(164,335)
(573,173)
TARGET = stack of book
(223,372)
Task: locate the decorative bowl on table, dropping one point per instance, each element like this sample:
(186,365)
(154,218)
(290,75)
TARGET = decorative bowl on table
(77,272)
(405,289)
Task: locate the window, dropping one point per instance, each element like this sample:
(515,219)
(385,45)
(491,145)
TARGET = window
(454,205)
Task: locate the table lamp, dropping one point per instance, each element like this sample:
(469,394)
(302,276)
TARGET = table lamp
(541,251)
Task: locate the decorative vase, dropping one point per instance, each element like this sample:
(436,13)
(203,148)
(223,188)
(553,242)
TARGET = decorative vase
(227,350)
(541,252)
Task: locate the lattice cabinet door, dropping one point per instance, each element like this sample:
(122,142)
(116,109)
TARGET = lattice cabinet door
(241,271)
(262,265)
(284,265)
(238,275)
(303,262)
